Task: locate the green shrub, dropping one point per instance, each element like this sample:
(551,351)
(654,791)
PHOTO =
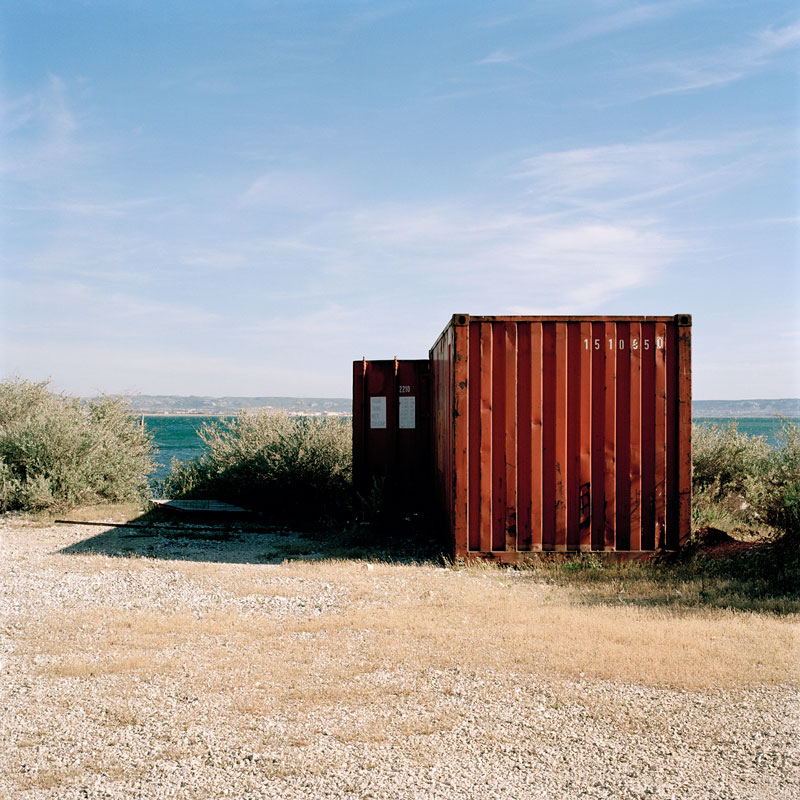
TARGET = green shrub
(739,481)
(726,461)
(292,468)
(56,452)
(776,495)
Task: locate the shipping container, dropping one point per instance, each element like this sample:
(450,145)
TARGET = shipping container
(391,432)
(562,434)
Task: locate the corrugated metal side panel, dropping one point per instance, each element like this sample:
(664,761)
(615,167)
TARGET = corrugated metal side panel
(460,427)
(648,518)
(684,397)
(660,444)
(475,398)
(442,376)
(598,434)
(359,460)
(564,433)
(635,438)
(609,483)
(585,440)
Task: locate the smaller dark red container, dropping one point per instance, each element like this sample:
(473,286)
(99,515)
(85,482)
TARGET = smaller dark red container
(391,431)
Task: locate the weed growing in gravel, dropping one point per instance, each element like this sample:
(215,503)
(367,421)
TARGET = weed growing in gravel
(760,578)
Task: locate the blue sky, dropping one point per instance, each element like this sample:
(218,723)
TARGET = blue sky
(241,198)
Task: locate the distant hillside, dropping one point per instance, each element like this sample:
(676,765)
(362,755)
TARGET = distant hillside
(173,404)
(787,407)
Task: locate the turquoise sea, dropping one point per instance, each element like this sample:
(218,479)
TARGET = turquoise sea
(768,427)
(176,437)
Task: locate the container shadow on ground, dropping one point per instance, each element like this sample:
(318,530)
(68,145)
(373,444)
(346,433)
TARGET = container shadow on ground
(232,541)
(674,588)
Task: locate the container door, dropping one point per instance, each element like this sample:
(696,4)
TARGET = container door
(391,432)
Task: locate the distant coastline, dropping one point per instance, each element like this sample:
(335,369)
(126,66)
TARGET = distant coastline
(146,413)
(201,406)
(784,407)
(225,414)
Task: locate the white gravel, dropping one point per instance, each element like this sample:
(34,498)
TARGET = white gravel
(454,734)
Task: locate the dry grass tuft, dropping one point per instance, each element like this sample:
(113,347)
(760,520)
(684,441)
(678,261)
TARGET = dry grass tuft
(422,618)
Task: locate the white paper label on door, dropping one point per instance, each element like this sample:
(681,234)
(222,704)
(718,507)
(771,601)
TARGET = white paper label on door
(407,414)
(377,412)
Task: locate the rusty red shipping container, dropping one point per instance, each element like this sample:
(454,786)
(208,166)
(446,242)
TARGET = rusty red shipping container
(391,430)
(562,434)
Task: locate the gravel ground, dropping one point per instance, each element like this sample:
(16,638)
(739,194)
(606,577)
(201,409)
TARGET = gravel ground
(451,733)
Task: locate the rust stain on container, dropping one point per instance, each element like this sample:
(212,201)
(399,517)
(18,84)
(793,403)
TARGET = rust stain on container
(562,433)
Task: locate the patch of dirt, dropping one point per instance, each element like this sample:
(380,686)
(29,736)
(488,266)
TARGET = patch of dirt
(715,543)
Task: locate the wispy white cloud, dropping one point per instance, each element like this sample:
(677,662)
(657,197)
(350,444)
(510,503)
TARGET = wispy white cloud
(630,16)
(573,231)
(123,366)
(333,319)
(89,208)
(794,221)
(725,65)
(74,332)
(594,23)
(499,56)
(772,39)
(644,176)
(368,14)
(494,257)
(290,191)
(683,72)
(578,172)
(106,313)
(39,132)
